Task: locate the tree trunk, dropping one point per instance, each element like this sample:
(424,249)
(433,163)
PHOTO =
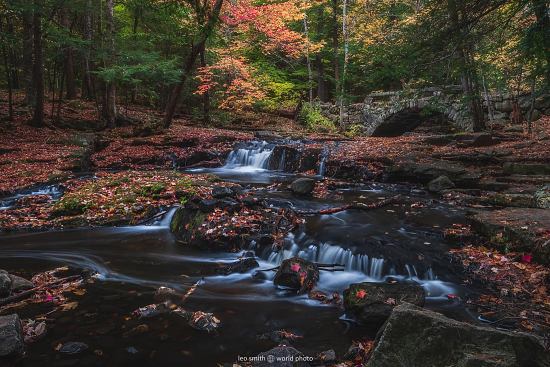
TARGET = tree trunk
(335,58)
(109,98)
(308,60)
(88,88)
(68,60)
(206,95)
(467,69)
(38,67)
(28,57)
(9,80)
(540,8)
(321,84)
(197,46)
(346,51)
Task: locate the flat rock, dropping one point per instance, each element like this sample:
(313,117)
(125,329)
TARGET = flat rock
(417,337)
(518,229)
(373,302)
(512,168)
(11,335)
(281,356)
(220,192)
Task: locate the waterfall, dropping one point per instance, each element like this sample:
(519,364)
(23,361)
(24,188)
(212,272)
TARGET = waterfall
(322,161)
(255,155)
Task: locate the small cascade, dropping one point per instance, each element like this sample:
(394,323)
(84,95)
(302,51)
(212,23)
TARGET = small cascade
(322,161)
(165,220)
(330,254)
(282,161)
(53,191)
(254,155)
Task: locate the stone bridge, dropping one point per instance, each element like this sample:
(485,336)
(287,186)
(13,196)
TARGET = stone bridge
(395,113)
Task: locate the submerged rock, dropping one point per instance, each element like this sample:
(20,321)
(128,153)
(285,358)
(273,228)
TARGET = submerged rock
(73,348)
(240,266)
(417,337)
(5,284)
(11,335)
(372,303)
(297,274)
(441,183)
(303,186)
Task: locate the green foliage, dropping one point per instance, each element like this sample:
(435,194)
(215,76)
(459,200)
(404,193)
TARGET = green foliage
(354,131)
(153,190)
(70,205)
(311,116)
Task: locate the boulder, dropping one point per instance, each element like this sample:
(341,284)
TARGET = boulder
(220,192)
(303,186)
(542,197)
(5,284)
(297,274)
(441,183)
(19,284)
(483,140)
(417,337)
(372,303)
(424,172)
(281,356)
(11,335)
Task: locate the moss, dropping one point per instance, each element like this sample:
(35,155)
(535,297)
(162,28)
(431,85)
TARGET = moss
(69,206)
(152,190)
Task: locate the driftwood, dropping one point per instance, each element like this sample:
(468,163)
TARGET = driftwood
(355,206)
(143,221)
(28,293)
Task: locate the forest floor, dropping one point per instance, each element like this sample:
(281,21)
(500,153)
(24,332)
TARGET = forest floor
(126,175)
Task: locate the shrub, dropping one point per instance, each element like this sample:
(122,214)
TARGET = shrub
(311,116)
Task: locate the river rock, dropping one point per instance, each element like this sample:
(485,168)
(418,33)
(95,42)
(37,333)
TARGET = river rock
(5,284)
(19,284)
(372,303)
(297,274)
(542,197)
(281,356)
(424,172)
(414,336)
(441,183)
(303,186)
(220,192)
(483,140)
(11,335)
(73,348)
(241,266)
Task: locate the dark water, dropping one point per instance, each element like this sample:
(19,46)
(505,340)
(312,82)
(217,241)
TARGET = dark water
(132,262)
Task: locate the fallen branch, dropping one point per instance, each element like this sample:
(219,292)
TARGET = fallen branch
(355,206)
(28,293)
(151,218)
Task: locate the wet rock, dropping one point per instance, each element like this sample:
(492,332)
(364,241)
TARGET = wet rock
(441,183)
(241,266)
(372,303)
(207,205)
(417,337)
(297,274)
(5,284)
(220,192)
(281,356)
(11,335)
(327,356)
(19,284)
(229,204)
(303,186)
(542,197)
(526,168)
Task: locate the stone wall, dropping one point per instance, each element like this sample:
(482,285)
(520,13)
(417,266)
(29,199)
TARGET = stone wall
(385,108)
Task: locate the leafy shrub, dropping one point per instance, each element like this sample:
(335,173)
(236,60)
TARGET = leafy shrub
(354,130)
(311,116)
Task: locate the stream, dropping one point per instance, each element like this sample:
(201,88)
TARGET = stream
(132,262)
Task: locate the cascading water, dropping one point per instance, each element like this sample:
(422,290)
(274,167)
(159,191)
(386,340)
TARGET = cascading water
(53,191)
(322,161)
(254,156)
